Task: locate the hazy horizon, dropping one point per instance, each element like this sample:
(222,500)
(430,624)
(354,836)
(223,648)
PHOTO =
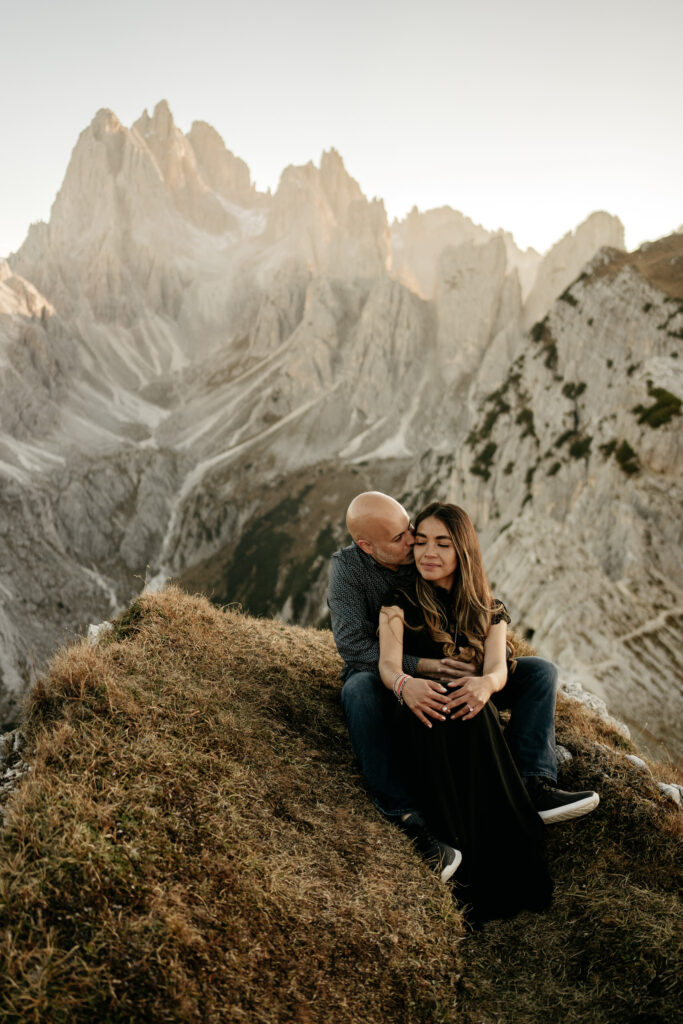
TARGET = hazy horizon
(526,118)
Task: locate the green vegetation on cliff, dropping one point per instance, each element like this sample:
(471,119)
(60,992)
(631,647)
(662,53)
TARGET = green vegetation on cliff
(193,843)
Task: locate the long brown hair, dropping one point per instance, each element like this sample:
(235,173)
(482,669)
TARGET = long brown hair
(470,600)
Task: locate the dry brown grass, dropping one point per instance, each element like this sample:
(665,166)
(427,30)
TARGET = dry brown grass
(194,844)
(660,263)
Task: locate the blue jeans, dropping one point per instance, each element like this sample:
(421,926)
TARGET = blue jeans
(529,694)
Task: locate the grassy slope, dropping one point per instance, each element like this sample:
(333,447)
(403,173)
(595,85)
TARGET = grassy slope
(194,844)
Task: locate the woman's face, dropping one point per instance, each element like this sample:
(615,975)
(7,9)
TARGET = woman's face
(434,552)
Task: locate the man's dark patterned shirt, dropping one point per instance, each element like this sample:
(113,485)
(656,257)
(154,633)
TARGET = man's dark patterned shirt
(354,596)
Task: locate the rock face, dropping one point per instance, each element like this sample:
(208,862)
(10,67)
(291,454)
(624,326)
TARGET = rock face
(196,377)
(564,262)
(420,239)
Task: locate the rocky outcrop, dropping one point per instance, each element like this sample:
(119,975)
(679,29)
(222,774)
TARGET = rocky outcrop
(563,263)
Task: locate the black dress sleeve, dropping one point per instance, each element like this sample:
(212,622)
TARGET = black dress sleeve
(395,597)
(499,613)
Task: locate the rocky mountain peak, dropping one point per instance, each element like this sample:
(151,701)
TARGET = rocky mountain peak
(160,124)
(326,219)
(177,163)
(105,122)
(564,261)
(339,187)
(224,172)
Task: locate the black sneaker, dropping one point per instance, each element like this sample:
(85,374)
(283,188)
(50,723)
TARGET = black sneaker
(555,805)
(443,858)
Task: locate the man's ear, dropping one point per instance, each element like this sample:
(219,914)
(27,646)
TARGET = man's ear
(365,546)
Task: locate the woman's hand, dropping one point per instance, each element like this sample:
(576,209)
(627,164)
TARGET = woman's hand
(426,698)
(469,695)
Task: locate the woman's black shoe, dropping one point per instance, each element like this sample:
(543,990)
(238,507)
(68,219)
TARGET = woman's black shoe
(443,858)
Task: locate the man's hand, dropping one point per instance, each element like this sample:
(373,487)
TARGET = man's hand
(469,695)
(426,697)
(443,668)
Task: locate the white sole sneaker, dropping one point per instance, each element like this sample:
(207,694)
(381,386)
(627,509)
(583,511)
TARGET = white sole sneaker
(451,868)
(569,811)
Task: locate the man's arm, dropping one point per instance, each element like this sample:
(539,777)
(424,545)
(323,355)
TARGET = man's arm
(354,624)
(442,668)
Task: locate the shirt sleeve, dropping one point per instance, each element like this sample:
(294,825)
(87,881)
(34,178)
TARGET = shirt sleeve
(499,613)
(355,634)
(353,625)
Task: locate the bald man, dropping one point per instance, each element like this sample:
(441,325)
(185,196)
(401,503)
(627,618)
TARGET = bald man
(380,558)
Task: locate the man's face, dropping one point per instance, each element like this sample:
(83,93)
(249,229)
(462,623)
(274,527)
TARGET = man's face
(391,540)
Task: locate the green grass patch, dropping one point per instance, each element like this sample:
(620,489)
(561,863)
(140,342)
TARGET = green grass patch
(627,458)
(563,438)
(567,296)
(662,410)
(525,418)
(580,448)
(497,406)
(573,390)
(482,464)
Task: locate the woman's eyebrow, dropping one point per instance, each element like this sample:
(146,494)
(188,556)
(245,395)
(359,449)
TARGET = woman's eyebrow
(439,536)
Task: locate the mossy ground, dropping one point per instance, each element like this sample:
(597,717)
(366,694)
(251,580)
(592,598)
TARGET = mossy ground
(193,843)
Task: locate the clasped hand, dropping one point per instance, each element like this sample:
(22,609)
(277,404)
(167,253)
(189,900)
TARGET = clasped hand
(468,696)
(428,698)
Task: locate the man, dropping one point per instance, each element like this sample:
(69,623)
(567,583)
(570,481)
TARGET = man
(380,557)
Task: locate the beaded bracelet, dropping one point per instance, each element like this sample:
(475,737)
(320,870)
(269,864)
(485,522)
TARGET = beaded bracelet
(399,683)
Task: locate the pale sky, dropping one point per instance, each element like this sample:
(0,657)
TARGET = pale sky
(524,115)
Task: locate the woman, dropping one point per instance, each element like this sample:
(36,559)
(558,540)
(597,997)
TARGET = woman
(463,776)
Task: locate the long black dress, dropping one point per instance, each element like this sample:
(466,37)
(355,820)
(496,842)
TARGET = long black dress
(468,788)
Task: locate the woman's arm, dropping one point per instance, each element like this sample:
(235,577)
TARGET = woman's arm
(471,693)
(424,697)
(495,655)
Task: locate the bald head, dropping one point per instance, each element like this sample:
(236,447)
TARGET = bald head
(380,527)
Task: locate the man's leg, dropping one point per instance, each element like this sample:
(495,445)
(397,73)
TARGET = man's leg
(368,707)
(530,693)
